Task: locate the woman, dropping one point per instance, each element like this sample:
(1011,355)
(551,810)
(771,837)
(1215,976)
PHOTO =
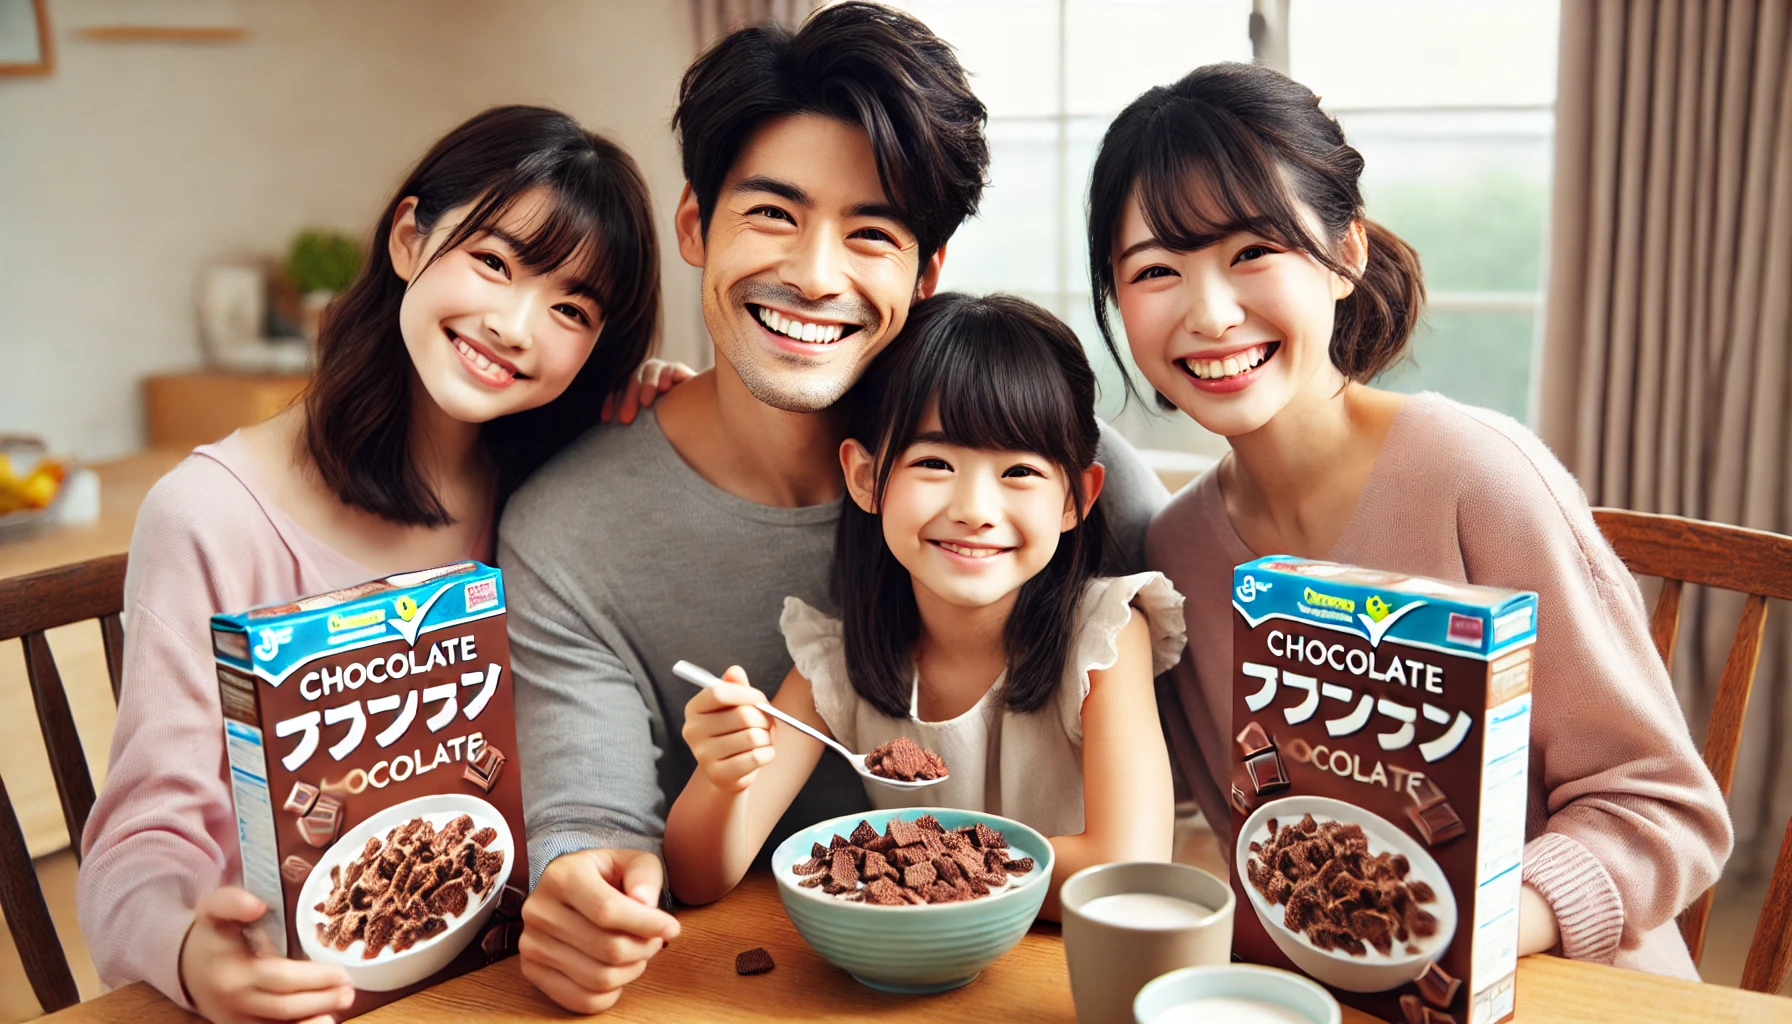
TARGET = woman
(1227,226)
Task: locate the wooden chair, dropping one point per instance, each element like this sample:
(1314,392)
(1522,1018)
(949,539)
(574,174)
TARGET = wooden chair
(1751,562)
(30,605)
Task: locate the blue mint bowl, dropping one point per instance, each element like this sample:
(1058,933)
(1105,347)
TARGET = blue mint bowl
(909,949)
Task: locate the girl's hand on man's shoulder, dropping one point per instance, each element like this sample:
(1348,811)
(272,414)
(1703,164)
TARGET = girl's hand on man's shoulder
(654,378)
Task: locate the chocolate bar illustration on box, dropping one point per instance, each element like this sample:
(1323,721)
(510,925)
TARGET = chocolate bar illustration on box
(1381,730)
(367,732)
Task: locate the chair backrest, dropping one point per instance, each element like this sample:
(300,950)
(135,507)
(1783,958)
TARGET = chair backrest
(1751,562)
(30,605)
(1770,954)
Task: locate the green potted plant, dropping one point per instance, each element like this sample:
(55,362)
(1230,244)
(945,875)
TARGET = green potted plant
(320,264)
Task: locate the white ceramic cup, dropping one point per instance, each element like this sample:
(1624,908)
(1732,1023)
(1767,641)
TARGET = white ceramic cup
(1110,961)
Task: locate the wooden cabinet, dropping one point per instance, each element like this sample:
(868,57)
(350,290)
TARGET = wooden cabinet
(188,409)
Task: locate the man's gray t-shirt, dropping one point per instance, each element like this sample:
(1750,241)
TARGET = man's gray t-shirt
(619,560)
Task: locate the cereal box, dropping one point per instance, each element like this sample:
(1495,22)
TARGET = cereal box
(1381,736)
(369,733)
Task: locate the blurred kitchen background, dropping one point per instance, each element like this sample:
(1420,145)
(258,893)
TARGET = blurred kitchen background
(176,140)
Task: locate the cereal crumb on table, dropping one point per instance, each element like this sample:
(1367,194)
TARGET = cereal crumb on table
(753,961)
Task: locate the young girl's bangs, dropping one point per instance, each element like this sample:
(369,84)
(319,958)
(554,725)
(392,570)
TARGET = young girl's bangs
(1004,375)
(995,381)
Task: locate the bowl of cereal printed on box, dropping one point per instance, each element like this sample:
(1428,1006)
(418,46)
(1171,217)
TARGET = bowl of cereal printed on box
(400,895)
(1348,896)
(913,900)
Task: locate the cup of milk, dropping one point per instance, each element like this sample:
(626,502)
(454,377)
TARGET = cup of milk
(1125,924)
(1235,994)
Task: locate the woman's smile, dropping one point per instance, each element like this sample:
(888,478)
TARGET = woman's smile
(1228,373)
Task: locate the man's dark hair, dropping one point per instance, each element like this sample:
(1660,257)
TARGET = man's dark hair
(861,63)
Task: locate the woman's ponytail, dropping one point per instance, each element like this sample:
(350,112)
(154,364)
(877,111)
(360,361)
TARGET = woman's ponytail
(1375,321)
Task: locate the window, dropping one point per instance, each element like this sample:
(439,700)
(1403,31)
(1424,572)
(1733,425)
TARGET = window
(1452,106)
(1450,102)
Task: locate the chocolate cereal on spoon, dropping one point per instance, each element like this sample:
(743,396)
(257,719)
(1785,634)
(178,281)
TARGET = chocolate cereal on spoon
(904,760)
(901,763)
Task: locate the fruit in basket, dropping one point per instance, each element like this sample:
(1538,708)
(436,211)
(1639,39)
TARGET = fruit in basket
(34,490)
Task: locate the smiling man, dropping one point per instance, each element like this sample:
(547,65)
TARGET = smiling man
(825,172)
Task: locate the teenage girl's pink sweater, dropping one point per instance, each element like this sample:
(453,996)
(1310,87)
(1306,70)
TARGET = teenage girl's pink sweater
(163,832)
(1626,826)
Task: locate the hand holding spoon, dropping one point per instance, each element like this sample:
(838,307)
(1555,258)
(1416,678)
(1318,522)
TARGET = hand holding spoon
(704,678)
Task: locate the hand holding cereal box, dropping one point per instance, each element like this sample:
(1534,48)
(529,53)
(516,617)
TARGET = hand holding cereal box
(1382,738)
(367,732)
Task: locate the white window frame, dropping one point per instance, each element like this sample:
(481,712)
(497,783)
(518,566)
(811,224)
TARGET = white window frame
(1270,47)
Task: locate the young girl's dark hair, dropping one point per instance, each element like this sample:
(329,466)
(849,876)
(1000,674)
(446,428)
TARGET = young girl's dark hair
(1007,376)
(358,406)
(1240,147)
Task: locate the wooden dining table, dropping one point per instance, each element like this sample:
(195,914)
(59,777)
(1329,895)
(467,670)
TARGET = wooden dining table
(693,979)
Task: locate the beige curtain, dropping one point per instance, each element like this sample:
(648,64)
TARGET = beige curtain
(1664,380)
(712,18)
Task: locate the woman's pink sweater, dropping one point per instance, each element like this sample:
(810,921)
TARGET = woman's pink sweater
(163,833)
(1625,826)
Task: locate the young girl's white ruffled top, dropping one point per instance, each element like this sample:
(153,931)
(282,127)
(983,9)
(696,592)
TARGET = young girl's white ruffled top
(1028,767)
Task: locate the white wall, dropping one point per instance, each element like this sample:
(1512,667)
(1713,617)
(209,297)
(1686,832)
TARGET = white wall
(135,164)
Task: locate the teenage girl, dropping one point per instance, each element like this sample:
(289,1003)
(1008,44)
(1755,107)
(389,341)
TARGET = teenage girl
(975,618)
(512,288)
(1226,225)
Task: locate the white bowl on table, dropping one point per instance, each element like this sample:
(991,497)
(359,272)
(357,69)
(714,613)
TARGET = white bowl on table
(389,969)
(1178,996)
(1371,971)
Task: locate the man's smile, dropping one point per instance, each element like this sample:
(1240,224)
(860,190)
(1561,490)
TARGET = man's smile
(813,332)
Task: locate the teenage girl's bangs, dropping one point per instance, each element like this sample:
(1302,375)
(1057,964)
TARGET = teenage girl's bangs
(996,388)
(587,231)
(1201,174)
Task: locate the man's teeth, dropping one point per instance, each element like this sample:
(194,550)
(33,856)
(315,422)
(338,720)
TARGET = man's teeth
(485,365)
(818,333)
(1231,366)
(960,549)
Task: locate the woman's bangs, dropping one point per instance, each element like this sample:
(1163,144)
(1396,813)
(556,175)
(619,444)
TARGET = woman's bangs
(1200,179)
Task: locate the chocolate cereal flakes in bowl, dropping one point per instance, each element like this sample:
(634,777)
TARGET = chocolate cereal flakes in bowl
(402,893)
(913,863)
(1352,899)
(943,932)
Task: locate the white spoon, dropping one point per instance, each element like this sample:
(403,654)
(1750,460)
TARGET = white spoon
(706,679)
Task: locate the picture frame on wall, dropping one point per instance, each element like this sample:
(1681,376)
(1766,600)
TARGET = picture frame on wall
(25,38)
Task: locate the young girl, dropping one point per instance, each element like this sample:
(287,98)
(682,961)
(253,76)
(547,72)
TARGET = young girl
(511,288)
(975,619)
(1226,224)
